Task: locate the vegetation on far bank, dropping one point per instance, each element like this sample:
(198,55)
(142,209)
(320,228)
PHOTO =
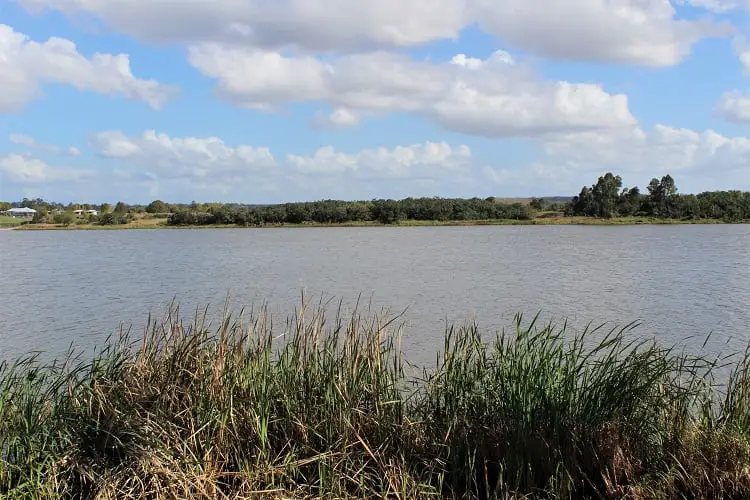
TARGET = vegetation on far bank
(328,407)
(605,202)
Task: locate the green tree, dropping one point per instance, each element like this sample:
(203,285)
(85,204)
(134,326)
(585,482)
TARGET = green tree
(65,218)
(660,194)
(40,216)
(537,203)
(107,219)
(527,212)
(106,208)
(606,192)
(121,208)
(629,202)
(583,204)
(157,207)
(387,211)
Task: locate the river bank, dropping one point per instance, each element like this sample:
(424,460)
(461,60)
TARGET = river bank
(542,221)
(329,407)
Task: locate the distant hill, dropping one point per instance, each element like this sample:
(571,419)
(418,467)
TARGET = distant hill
(526,201)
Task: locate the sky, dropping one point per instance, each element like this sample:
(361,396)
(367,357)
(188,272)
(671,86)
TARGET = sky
(260,101)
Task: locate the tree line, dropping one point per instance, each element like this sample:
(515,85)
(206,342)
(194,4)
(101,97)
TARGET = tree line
(337,212)
(607,198)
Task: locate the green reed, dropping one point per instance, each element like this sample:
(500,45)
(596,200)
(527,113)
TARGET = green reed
(324,406)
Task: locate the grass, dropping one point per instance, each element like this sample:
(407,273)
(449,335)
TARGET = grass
(6,221)
(328,407)
(141,222)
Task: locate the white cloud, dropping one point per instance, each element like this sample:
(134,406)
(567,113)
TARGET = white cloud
(21,169)
(317,25)
(419,160)
(338,118)
(28,141)
(493,97)
(634,31)
(180,168)
(26,65)
(720,6)
(734,106)
(189,157)
(629,31)
(698,160)
(475,63)
(744,56)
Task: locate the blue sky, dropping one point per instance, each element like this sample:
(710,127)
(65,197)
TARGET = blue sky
(308,99)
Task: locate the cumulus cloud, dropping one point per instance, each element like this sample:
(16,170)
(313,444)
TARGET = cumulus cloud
(635,31)
(206,167)
(190,157)
(628,31)
(419,160)
(338,118)
(719,6)
(698,160)
(492,97)
(317,25)
(26,65)
(734,106)
(196,157)
(25,170)
(28,141)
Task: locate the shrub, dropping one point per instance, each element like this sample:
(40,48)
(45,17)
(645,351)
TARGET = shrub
(107,219)
(65,218)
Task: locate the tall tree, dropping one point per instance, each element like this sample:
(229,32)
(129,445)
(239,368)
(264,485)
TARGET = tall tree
(629,202)
(606,192)
(660,193)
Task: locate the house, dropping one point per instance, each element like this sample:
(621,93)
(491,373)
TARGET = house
(82,213)
(20,212)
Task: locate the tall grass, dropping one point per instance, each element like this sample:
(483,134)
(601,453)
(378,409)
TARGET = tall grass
(325,407)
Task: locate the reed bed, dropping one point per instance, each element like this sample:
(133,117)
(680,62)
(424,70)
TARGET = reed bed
(323,407)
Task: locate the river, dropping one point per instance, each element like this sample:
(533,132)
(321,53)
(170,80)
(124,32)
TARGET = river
(59,288)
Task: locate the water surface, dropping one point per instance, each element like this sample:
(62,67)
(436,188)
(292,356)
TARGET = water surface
(63,287)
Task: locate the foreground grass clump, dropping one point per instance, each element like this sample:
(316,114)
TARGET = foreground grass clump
(324,408)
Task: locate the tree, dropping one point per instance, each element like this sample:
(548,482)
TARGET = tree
(629,202)
(387,211)
(4,205)
(121,208)
(107,219)
(537,203)
(157,207)
(106,208)
(65,218)
(660,193)
(527,212)
(606,191)
(39,217)
(583,204)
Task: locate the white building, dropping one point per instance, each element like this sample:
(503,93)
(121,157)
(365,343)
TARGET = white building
(81,213)
(20,212)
